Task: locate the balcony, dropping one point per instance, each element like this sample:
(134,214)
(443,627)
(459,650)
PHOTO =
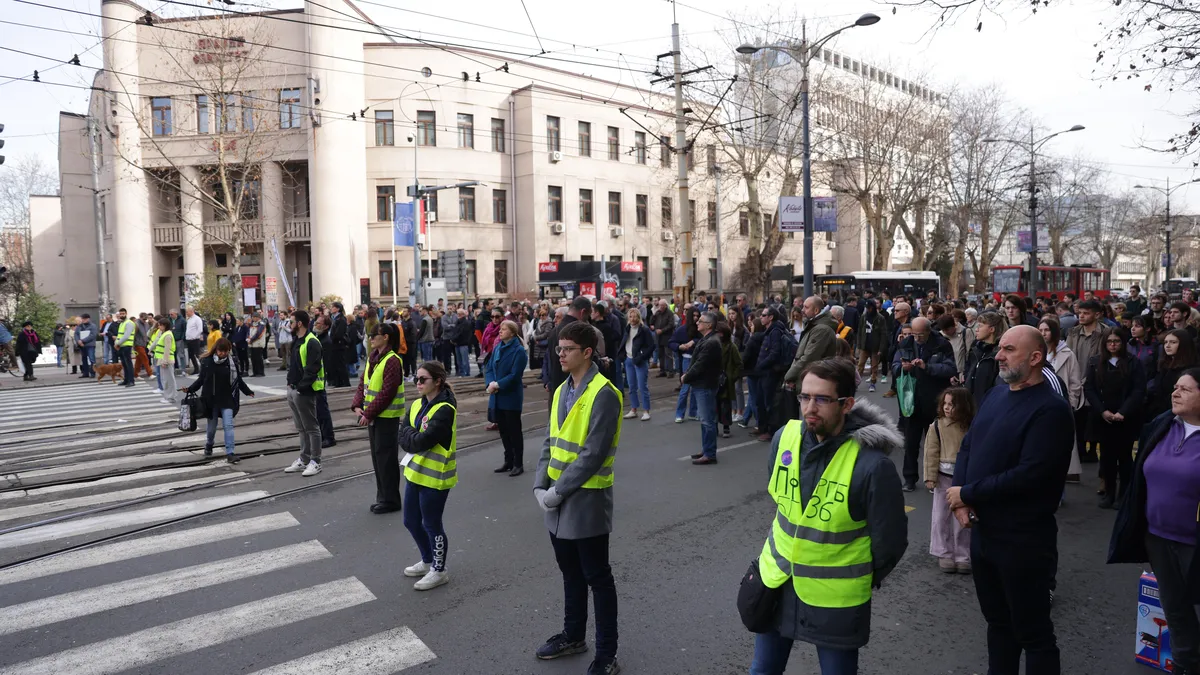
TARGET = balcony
(168,234)
(171,235)
(297,229)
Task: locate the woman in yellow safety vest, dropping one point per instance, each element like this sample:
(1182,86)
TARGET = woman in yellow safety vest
(429,437)
(379,403)
(162,350)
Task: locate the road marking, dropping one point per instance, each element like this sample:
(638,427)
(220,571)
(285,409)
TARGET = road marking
(909,509)
(28,510)
(200,632)
(95,464)
(270,390)
(38,613)
(112,521)
(136,548)
(728,447)
(380,654)
(103,482)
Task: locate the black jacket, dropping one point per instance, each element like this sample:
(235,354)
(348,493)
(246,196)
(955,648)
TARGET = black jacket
(1128,543)
(553,367)
(931,380)
(219,385)
(643,345)
(299,377)
(1158,391)
(338,331)
(982,370)
(750,353)
(706,368)
(439,430)
(1119,392)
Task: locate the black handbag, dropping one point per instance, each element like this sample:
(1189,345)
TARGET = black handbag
(756,602)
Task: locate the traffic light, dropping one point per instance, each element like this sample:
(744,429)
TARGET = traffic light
(1,159)
(3,274)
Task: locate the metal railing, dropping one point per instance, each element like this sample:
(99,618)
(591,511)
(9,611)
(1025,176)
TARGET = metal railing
(217,232)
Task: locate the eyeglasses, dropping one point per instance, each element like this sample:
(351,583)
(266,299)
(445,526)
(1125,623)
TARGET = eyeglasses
(423,380)
(497,318)
(804,399)
(561,349)
(765,316)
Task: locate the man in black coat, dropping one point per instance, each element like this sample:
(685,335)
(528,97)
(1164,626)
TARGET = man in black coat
(580,309)
(662,322)
(929,359)
(341,351)
(704,377)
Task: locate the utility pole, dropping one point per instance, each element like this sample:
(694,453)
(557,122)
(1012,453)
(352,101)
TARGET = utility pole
(720,277)
(418,221)
(93,127)
(1168,229)
(681,150)
(1033,233)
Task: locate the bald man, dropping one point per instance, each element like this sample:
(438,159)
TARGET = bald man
(928,358)
(1008,479)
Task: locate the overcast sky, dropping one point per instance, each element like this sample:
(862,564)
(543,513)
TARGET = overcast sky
(1044,62)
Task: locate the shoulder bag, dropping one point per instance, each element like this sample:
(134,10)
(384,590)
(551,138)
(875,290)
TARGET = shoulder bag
(756,602)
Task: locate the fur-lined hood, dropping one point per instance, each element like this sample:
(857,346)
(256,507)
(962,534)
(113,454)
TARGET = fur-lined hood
(868,424)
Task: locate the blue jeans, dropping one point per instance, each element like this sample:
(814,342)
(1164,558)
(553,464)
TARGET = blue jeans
(87,357)
(771,652)
(158,376)
(639,384)
(423,507)
(210,433)
(685,402)
(706,401)
(108,352)
(462,355)
(426,350)
(751,409)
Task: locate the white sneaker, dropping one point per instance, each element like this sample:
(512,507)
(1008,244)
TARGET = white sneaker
(313,469)
(678,420)
(418,570)
(631,414)
(645,416)
(158,391)
(432,580)
(737,418)
(166,400)
(295,466)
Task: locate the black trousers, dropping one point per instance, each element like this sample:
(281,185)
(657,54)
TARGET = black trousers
(256,360)
(324,419)
(195,348)
(511,436)
(1013,586)
(335,368)
(443,353)
(126,355)
(243,358)
(914,432)
(28,360)
(584,565)
(1116,455)
(385,459)
(1171,561)
(1083,429)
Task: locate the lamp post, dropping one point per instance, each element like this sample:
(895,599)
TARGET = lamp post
(1034,146)
(803,52)
(1166,192)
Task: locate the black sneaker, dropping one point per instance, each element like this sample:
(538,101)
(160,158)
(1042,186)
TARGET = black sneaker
(232,458)
(604,668)
(560,645)
(208,450)
(908,487)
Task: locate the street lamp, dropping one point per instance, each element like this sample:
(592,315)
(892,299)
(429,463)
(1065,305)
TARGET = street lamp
(803,52)
(1167,228)
(1034,146)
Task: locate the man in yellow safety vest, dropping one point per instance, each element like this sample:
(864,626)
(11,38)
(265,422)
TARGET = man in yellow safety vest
(839,526)
(574,488)
(124,343)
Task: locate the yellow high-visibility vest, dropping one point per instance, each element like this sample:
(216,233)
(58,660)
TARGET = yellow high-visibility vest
(373,379)
(566,441)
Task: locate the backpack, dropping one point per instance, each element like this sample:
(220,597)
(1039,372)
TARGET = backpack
(787,351)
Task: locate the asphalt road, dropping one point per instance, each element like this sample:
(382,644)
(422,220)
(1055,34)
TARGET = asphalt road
(684,535)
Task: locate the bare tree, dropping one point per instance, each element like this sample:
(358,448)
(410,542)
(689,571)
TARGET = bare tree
(1110,227)
(1065,186)
(24,176)
(226,77)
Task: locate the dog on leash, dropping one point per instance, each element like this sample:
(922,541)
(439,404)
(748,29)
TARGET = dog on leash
(113,370)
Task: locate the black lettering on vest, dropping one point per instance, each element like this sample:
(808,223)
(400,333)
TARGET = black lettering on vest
(786,486)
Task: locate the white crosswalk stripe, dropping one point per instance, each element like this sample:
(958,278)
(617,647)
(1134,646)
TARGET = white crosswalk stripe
(79,403)
(42,508)
(33,623)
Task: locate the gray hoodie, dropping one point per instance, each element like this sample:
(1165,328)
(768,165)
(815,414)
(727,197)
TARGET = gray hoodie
(875,497)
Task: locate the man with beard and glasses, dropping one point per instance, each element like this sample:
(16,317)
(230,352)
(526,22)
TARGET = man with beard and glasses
(1008,480)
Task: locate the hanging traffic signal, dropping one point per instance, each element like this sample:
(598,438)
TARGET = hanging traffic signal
(3,274)
(1,156)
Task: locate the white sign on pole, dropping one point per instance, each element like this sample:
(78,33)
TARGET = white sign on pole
(250,296)
(791,214)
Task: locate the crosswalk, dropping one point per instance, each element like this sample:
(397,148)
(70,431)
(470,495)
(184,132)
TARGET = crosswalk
(81,404)
(49,601)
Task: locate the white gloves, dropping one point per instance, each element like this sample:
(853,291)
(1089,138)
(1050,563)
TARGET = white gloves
(547,499)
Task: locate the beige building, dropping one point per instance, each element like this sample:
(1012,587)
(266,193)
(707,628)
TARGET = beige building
(291,134)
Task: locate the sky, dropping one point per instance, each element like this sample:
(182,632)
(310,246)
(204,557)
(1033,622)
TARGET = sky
(1045,62)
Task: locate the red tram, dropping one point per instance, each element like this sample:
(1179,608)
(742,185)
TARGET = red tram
(1053,280)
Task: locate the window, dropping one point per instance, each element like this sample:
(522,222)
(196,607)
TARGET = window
(664,150)
(289,109)
(691,158)
(556,257)
(179,263)
(614,208)
(612,259)
(711,159)
(614,144)
(639,143)
(642,204)
(431,203)
(466,131)
(227,113)
(499,206)
(691,212)
(425,268)
(160,110)
(385,128)
(645,261)
(385,200)
(668,270)
(585,139)
(587,258)
(585,206)
(386,282)
(500,274)
(202,114)
(247,113)
(471,272)
(667,209)
(712,272)
(744,223)
(554,203)
(712,216)
(426,128)
(221,259)
(466,204)
(553,134)
(497,135)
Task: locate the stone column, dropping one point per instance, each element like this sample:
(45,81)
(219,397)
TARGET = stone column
(134,285)
(193,233)
(273,228)
(337,155)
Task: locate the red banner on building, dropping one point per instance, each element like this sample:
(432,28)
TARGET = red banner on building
(548,267)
